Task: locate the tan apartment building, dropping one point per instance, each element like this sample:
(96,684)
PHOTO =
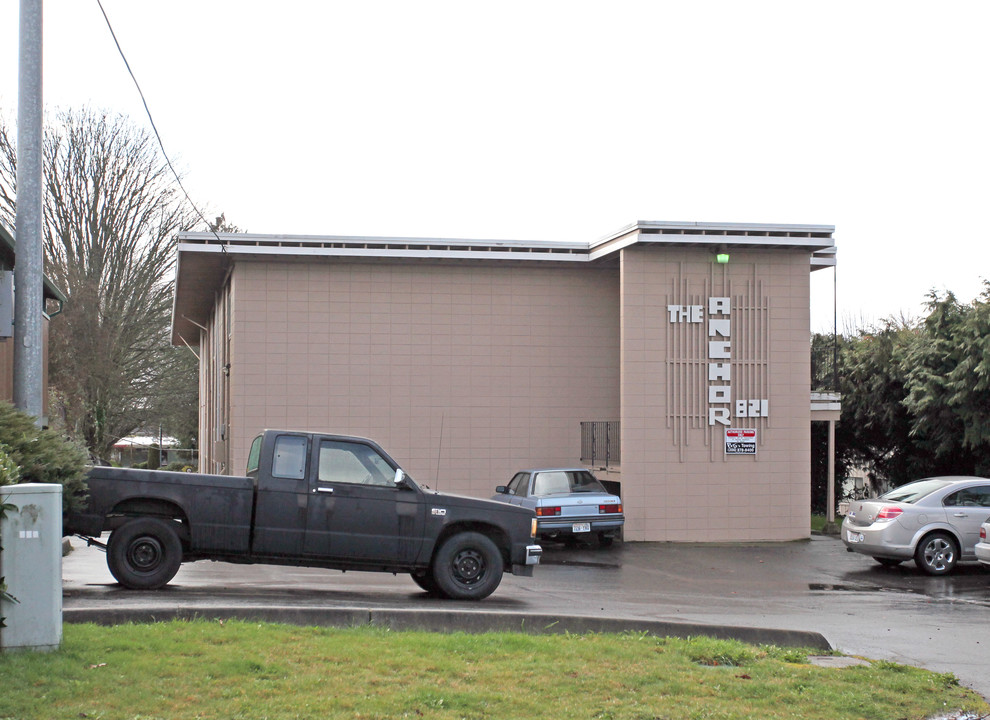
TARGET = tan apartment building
(471,359)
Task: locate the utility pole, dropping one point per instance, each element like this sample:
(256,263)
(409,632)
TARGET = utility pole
(29,261)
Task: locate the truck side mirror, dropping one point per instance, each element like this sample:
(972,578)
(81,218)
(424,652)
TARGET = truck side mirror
(501,489)
(400,478)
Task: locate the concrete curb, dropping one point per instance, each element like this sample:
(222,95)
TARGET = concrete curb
(448,621)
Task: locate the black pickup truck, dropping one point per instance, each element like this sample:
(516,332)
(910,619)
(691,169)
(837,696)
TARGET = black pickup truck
(308,499)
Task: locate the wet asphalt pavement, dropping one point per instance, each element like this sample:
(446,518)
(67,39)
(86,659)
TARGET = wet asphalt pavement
(861,608)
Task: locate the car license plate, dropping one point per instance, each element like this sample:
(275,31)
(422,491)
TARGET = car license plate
(854,537)
(581,527)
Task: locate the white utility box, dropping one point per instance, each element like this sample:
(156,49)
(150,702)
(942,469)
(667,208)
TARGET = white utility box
(31,564)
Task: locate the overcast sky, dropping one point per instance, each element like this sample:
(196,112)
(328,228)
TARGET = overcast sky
(564,120)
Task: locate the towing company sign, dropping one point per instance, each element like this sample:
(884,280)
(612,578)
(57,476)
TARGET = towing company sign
(740,441)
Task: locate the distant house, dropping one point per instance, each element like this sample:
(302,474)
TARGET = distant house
(7,330)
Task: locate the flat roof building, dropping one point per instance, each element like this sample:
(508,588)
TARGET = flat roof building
(686,344)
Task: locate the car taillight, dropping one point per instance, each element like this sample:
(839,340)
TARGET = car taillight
(547,511)
(983,533)
(609,509)
(889,512)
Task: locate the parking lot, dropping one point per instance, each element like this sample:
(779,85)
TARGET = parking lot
(861,608)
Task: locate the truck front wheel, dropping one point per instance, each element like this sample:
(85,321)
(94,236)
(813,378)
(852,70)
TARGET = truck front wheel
(144,554)
(468,566)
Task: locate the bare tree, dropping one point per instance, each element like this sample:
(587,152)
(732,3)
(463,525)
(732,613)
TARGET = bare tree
(112,211)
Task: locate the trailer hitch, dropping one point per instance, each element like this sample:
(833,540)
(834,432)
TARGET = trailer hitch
(90,542)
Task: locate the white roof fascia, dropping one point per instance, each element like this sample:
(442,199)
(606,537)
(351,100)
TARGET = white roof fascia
(725,229)
(741,227)
(692,233)
(617,234)
(823,258)
(730,241)
(615,244)
(295,251)
(231,240)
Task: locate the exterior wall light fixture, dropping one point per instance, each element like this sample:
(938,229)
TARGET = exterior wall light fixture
(722,256)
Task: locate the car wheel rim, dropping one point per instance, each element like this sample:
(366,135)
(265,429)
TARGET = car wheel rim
(468,566)
(938,554)
(145,554)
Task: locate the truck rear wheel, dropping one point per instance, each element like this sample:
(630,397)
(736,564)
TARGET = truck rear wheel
(468,566)
(144,554)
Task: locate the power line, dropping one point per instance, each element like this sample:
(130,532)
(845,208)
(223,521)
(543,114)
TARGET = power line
(147,111)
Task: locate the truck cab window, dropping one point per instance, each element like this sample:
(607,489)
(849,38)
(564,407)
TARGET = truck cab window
(344,462)
(290,457)
(254,457)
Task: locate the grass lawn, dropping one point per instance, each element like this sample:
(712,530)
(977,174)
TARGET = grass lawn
(209,669)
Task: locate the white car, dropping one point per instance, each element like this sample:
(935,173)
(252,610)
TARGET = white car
(983,546)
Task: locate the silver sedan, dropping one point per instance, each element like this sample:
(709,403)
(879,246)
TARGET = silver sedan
(936,522)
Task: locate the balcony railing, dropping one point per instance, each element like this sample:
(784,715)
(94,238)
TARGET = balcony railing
(600,443)
(824,372)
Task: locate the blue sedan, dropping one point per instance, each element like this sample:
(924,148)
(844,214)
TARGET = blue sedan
(570,503)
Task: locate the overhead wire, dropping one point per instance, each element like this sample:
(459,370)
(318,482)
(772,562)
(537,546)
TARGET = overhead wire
(154,128)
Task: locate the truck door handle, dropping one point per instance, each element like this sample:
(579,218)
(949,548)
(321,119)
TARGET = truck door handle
(324,490)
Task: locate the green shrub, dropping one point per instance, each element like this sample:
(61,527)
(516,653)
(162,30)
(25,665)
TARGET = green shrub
(10,473)
(42,455)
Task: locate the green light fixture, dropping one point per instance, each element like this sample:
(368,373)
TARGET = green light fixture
(722,257)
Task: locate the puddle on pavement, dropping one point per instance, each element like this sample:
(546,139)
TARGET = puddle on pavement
(578,563)
(835,587)
(946,593)
(820,587)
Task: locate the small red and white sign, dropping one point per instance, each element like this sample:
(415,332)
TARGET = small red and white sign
(740,441)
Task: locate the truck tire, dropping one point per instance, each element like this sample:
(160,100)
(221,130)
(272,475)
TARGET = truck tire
(426,582)
(144,554)
(468,566)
